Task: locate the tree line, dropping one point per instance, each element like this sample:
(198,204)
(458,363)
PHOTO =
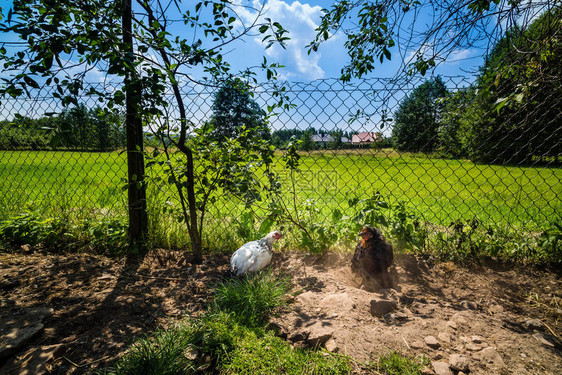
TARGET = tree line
(510,114)
(76,128)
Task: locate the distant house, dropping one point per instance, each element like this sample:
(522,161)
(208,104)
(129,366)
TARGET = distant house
(322,139)
(365,138)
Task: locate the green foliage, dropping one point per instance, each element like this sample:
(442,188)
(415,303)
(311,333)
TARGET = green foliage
(252,299)
(416,122)
(395,363)
(161,353)
(511,117)
(271,355)
(224,340)
(550,243)
(370,39)
(107,235)
(469,240)
(31,229)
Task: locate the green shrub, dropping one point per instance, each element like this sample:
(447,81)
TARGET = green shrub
(107,234)
(30,228)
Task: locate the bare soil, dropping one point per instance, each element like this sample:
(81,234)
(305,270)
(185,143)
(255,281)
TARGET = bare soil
(498,319)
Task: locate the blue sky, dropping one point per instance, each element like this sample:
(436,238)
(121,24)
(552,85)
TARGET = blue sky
(301,18)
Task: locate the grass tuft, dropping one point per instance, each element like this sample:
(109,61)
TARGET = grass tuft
(230,338)
(395,363)
(253,297)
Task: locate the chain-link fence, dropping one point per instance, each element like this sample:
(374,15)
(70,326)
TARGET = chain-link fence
(435,151)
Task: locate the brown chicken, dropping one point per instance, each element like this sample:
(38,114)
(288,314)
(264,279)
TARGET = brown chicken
(373,255)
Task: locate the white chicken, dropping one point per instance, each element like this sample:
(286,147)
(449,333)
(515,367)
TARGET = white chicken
(254,256)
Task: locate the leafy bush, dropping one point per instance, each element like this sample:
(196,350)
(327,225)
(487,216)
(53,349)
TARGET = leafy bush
(31,229)
(107,234)
(468,240)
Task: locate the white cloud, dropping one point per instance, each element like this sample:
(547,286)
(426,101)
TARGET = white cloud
(300,20)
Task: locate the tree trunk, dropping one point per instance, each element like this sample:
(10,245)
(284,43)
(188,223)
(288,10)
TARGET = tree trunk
(138,219)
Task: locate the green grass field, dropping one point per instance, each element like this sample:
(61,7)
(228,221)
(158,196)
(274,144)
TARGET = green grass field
(439,190)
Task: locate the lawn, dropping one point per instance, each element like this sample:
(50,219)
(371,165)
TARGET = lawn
(439,190)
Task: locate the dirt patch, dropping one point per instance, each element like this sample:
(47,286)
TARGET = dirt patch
(500,320)
(483,320)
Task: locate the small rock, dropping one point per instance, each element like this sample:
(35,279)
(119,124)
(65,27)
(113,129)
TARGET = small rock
(496,309)
(319,333)
(542,338)
(452,324)
(469,305)
(459,319)
(25,249)
(533,324)
(473,347)
(331,346)
(426,370)
(489,355)
(441,368)
(458,362)
(432,342)
(416,345)
(380,307)
(191,354)
(444,337)
(477,339)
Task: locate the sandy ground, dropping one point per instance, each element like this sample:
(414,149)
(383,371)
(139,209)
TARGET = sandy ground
(490,319)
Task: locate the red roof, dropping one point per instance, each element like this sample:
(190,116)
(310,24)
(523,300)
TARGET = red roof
(366,137)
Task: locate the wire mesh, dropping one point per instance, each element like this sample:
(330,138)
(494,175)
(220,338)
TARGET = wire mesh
(71,160)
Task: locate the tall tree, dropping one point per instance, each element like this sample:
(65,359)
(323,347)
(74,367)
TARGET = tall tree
(234,111)
(416,122)
(514,116)
(66,39)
